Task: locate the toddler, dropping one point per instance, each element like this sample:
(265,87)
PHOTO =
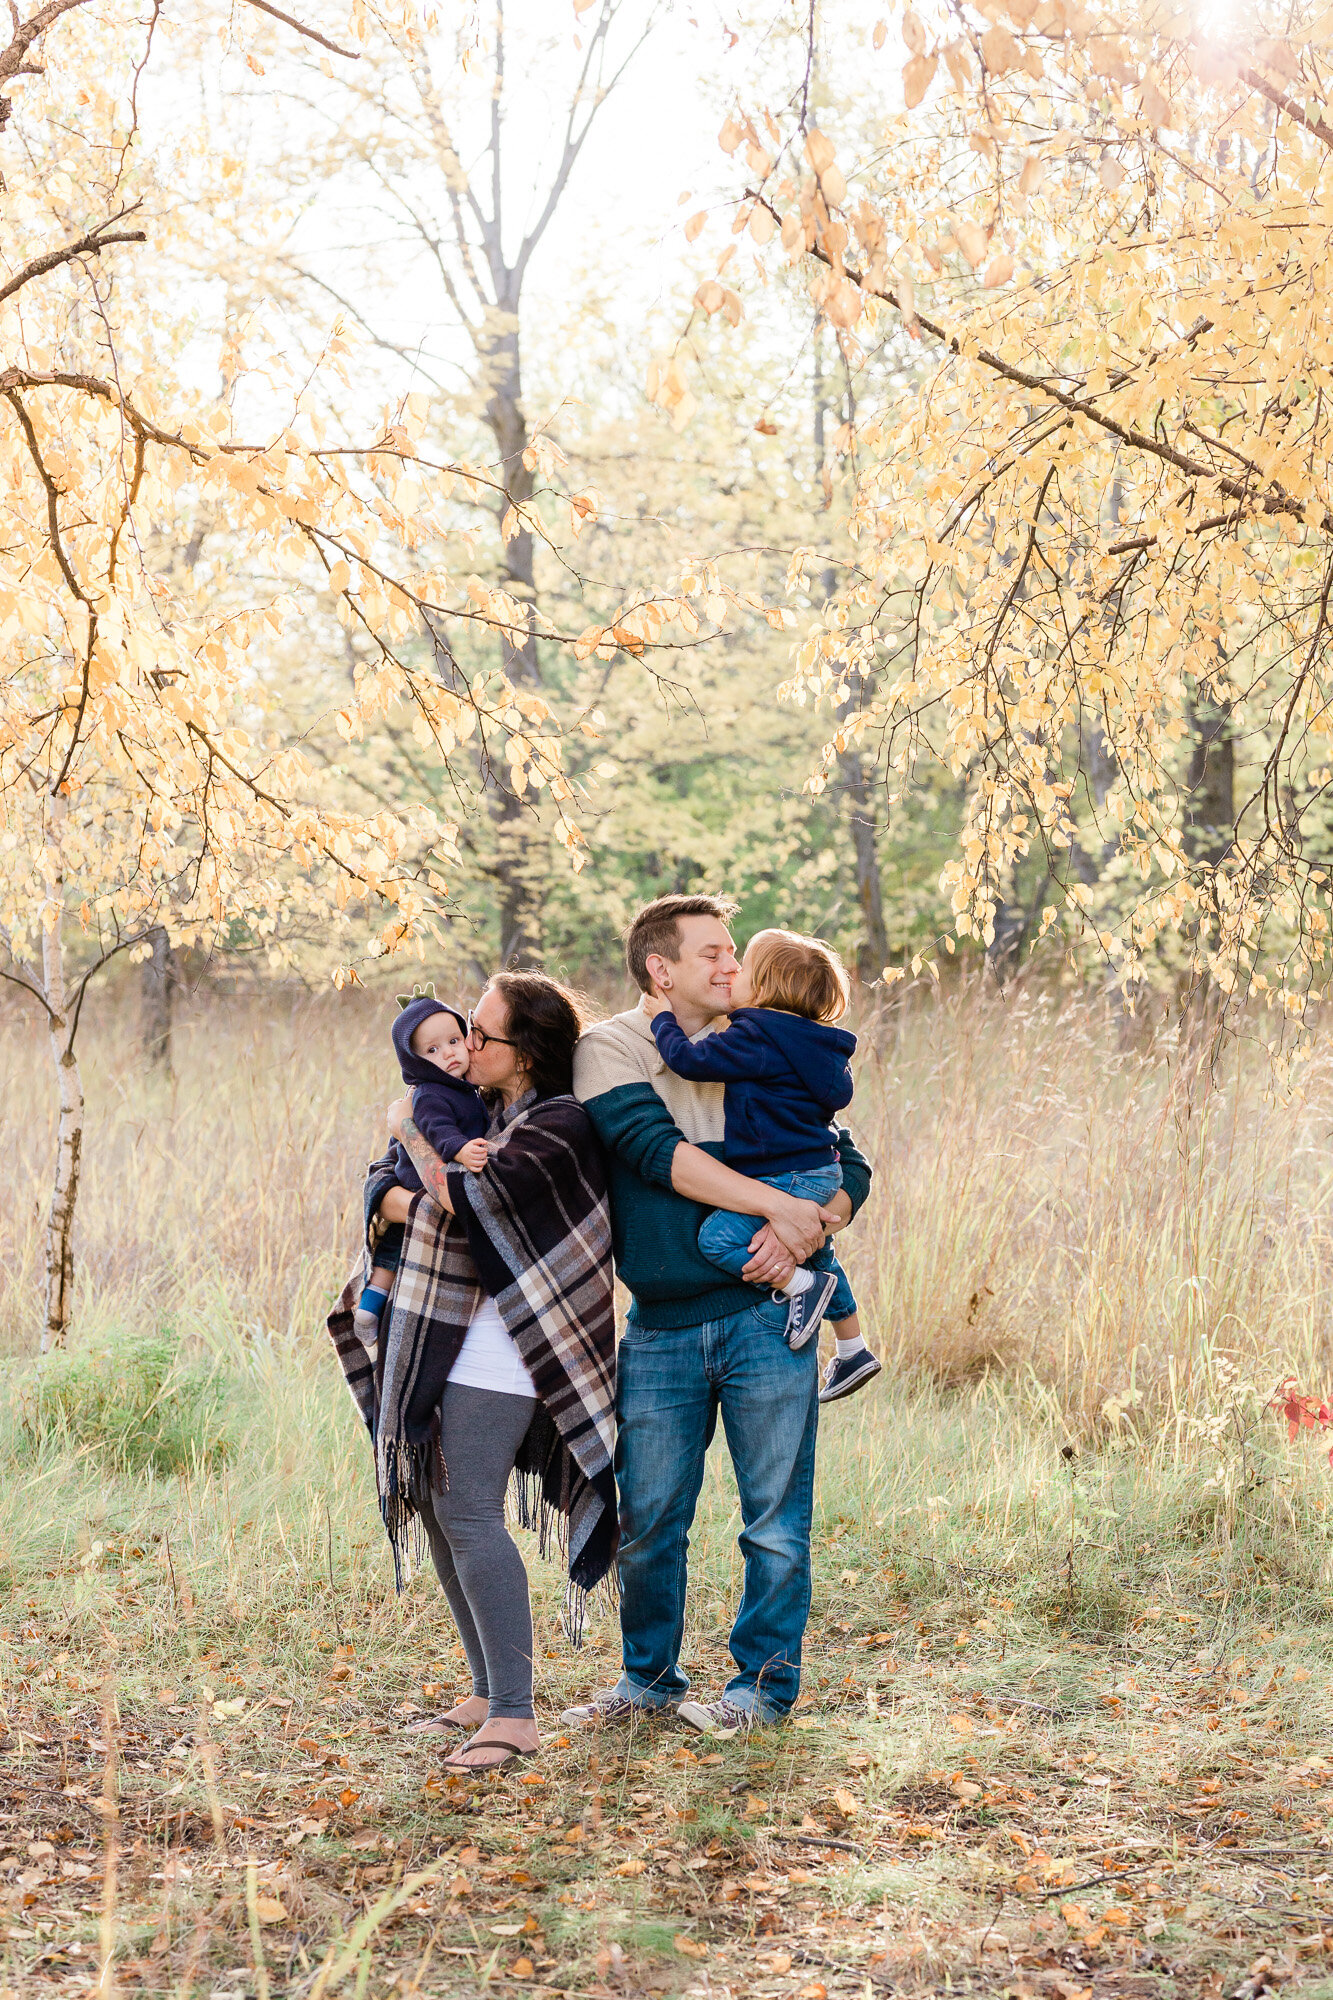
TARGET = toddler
(786,1071)
(431,1042)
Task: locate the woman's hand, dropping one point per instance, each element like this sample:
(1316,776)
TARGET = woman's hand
(399,1113)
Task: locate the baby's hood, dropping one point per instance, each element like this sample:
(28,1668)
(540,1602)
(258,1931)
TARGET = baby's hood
(415,1068)
(818,1053)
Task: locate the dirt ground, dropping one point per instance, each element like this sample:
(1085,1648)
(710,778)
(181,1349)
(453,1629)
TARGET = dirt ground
(965,1801)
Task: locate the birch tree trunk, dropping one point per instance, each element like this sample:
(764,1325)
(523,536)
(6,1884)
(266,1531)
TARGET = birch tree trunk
(69,1132)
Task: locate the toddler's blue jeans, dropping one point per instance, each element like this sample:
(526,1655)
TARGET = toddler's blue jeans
(725,1237)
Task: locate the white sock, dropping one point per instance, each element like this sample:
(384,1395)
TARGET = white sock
(847,1348)
(799,1281)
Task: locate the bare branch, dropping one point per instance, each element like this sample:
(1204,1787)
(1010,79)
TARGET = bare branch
(1296,112)
(290,20)
(86,246)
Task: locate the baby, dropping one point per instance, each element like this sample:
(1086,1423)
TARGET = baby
(431,1042)
(786,1071)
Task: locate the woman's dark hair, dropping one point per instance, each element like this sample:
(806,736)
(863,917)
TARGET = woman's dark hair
(545,1021)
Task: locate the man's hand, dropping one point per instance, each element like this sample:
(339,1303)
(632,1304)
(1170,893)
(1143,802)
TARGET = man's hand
(473,1156)
(771,1263)
(799,1225)
(399,1113)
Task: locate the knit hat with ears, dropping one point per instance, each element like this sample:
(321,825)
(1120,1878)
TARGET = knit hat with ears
(414,1008)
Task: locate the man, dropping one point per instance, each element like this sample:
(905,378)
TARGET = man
(698,1341)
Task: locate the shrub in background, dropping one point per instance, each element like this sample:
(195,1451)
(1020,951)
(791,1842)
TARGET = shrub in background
(140,1401)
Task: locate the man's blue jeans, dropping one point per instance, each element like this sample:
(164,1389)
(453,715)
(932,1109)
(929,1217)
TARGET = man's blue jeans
(725,1237)
(670,1386)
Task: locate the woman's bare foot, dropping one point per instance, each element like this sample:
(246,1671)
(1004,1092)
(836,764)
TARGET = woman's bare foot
(468,1713)
(465,1716)
(495,1743)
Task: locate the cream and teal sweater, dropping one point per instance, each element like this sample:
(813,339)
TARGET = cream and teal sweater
(642,1113)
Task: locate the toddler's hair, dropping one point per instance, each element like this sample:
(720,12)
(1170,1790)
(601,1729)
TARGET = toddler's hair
(800,975)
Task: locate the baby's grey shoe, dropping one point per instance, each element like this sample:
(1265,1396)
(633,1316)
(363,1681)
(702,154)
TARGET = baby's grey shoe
(808,1308)
(366,1326)
(844,1377)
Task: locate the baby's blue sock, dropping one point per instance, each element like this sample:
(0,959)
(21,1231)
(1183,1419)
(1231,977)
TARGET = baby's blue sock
(372,1301)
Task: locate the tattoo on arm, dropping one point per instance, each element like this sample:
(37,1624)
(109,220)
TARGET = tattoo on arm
(434,1175)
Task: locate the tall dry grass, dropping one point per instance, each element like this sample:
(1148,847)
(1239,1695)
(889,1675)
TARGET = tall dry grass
(1049,1203)
(1057,1219)
(1100,1217)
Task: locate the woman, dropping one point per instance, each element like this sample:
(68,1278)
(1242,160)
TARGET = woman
(499,1355)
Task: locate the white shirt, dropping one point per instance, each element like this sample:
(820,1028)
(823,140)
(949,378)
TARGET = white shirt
(488,1358)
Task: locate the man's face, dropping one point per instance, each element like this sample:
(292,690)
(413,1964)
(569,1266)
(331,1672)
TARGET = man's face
(441,1040)
(700,978)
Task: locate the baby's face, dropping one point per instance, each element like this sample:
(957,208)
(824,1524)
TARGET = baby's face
(441,1041)
(742,986)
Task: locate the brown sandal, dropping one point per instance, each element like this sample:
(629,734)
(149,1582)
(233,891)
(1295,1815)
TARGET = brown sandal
(512,1751)
(436,1725)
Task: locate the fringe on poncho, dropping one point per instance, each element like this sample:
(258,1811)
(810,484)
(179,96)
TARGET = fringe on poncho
(533,1230)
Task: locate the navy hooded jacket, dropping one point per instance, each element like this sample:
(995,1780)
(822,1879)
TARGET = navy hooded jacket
(447,1111)
(785,1078)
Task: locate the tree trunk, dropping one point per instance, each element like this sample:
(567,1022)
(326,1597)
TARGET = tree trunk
(522,859)
(873,950)
(157,998)
(1210,808)
(69,1132)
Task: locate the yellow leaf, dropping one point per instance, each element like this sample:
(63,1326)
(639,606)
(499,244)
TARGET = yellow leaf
(818,149)
(269,1910)
(689,1947)
(999,271)
(917,75)
(1000,51)
(847,1802)
(880,35)
(971,241)
(695,225)
(1155,107)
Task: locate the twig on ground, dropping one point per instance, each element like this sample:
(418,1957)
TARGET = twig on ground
(818,1840)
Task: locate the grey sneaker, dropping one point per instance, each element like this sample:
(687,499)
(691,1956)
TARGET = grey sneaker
(719,1718)
(808,1308)
(844,1378)
(609,1705)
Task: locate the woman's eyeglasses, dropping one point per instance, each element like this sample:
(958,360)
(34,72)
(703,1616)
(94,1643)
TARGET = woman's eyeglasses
(481,1038)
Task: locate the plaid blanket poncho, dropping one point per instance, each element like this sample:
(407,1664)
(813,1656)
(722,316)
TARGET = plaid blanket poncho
(533,1230)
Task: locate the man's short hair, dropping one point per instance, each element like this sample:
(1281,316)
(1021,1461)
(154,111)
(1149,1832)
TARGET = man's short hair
(655,932)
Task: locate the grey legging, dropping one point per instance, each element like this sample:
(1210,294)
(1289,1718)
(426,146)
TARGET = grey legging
(474,1554)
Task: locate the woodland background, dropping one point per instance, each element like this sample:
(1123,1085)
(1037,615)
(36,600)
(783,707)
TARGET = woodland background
(465,473)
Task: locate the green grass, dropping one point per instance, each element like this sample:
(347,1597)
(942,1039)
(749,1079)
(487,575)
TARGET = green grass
(992,1627)
(139,1402)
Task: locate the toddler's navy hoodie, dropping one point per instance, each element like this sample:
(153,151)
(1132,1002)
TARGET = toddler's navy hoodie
(447,1111)
(786,1077)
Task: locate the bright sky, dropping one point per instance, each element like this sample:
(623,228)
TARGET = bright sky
(619,223)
